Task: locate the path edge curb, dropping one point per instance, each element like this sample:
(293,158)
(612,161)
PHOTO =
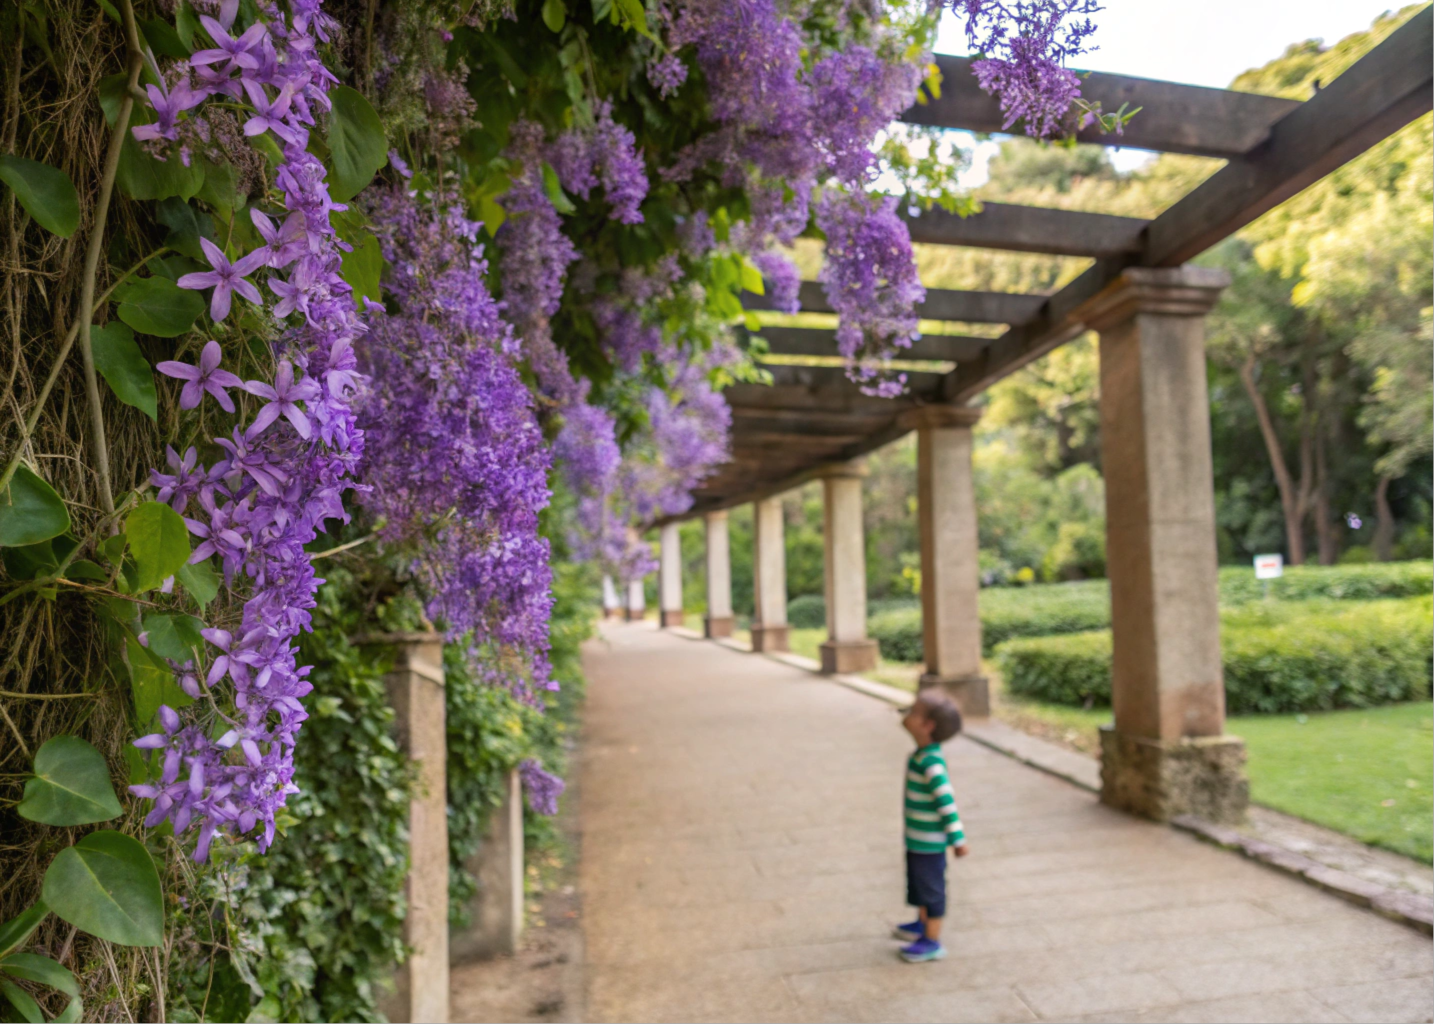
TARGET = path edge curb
(1405,907)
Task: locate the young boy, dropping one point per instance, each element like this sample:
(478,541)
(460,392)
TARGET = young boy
(932,823)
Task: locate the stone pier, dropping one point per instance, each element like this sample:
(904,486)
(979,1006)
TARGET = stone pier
(719,621)
(847,647)
(769,577)
(669,587)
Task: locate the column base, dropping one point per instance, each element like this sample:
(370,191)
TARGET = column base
(612,613)
(1203,776)
(972,694)
(841,657)
(716,629)
(670,619)
(629,615)
(770,638)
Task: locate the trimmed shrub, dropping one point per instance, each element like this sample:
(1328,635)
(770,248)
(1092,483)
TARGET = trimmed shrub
(807,612)
(1007,613)
(898,633)
(1339,582)
(1307,656)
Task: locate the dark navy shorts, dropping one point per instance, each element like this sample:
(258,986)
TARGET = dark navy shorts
(926,882)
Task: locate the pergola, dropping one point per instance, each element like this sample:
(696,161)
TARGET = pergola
(1167,752)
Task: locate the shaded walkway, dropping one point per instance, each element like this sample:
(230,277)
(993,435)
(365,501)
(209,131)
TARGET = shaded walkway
(741,860)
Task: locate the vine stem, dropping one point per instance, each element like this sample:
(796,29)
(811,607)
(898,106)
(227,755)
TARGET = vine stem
(92,257)
(27,428)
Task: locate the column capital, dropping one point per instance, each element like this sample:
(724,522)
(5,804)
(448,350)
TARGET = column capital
(708,517)
(1169,291)
(854,469)
(937,416)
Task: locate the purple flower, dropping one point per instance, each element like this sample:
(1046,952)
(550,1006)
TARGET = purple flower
(269,116)
(176,489)
(226,278)
(205,377)
(543,788)
(283,395)
(282,244)
(238,52)
(180,98)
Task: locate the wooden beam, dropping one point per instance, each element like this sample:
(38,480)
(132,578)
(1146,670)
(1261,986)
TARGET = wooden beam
(1173,118)
(1386,89)
(816,341)
(1030,229)
(833,379)
(940,304)
(1381,93)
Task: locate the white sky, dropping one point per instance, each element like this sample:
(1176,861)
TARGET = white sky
(1200,42)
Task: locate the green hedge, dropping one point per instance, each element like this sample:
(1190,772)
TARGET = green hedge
(1052,610)
(1337,582)
(807,612)
(1305,656)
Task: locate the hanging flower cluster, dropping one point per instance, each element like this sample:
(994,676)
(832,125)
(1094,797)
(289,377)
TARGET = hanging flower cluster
(454,454)
(1024,46)
(781,131)
(287,470)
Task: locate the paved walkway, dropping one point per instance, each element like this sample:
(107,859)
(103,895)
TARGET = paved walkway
(741,861)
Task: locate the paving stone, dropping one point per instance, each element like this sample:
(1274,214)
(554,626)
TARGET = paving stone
(741,860)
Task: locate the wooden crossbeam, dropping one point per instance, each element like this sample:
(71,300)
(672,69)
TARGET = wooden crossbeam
(833,379)
(816,341)
(1173,118)
(940,304)
(1030,229)
(1386,89)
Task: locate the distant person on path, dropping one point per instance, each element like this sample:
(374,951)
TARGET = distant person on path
(932,823)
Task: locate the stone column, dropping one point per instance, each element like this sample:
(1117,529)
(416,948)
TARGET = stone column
(769,577)
(496,911)
(1167,753)
(847,648)
(611,605)
(669,580)
(636,608)
(415,691)
(950,570)
(719,577)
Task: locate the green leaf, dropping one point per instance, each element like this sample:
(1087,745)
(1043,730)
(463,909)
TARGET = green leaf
(163,39)
(186,23)
(124,367)
(106,885)
(30,561)
(555,14)
(141,176)
(152,683)
(158,306)
(112,93)
(158,541)
(554,188)
(15,932)
(633,16)
(200,582)
(71,786)
(30,511)
(753,321)
(33,967)
(112,11)
(221,189)
(84,569)
(752,278)
(601,9)
(174,636)
(362,268)
(73,1013)
(356,141)
(22,1001)
(184,226)
(46,194)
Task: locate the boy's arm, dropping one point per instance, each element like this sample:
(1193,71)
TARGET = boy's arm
(946,804)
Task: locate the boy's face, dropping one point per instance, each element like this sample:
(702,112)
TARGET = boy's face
(918,724)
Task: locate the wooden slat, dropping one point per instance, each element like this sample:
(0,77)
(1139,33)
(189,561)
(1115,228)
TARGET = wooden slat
(940,304)
(1030,229)
(1173,118)
(1386,89)
(834,379)
(816,341)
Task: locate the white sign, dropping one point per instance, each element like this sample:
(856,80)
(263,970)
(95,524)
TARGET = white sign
(1269,567)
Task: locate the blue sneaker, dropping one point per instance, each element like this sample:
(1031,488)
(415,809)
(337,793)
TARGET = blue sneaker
(922,950)
(909,932)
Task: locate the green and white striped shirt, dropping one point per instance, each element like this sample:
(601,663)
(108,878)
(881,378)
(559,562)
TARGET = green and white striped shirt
(932,822)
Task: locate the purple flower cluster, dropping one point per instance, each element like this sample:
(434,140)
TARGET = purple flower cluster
(855,95)
(870,278)
(455,459)
(1024,46)
(543,788)
(287,471)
